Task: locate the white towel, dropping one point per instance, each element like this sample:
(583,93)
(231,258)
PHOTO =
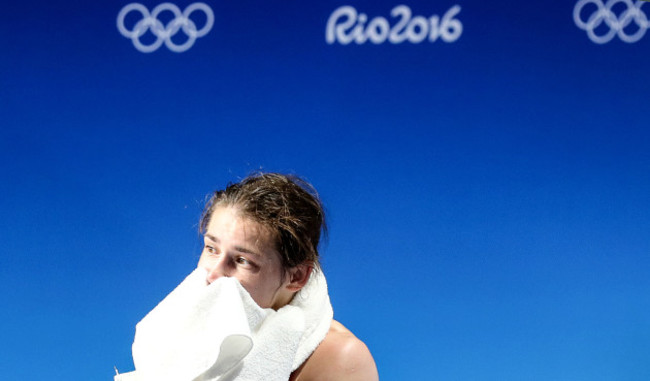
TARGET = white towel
(218,333)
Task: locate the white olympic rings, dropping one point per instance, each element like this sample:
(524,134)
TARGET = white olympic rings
(616,23)
(165,33)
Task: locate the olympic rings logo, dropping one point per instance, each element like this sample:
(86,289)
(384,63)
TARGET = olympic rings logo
(615,23)
(164,33)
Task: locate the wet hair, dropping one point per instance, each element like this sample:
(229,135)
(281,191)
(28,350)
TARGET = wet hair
(288,206)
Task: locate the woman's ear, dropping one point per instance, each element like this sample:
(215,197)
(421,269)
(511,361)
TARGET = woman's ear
(298,276)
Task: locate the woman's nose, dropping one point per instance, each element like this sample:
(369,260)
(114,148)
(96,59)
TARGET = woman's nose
(217,270)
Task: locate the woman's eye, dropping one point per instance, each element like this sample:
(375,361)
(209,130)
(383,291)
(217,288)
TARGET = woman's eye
(243,261)
(210,249)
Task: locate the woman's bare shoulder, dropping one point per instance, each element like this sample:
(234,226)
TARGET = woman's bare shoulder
(340,357)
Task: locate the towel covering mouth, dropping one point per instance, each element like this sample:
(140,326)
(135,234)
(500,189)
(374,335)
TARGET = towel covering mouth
(218,332)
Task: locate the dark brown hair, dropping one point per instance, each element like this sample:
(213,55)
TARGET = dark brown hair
(285,204)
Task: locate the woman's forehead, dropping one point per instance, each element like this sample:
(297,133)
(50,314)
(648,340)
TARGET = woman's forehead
(227,223)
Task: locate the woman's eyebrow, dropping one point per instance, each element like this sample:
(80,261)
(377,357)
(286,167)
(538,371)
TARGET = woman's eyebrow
(247,251)
(212,238)
(241,249)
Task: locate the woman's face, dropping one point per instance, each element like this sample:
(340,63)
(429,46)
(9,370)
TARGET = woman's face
(241,248)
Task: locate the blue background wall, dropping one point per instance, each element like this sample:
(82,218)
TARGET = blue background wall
(488,198)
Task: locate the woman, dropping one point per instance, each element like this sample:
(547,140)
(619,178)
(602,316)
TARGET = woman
(264,231)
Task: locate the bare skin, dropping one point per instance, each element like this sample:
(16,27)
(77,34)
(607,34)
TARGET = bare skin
(339,357)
